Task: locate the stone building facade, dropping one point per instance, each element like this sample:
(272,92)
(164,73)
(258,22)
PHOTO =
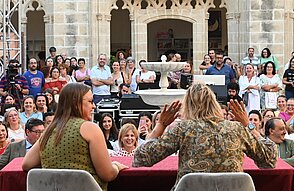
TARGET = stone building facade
(83,27)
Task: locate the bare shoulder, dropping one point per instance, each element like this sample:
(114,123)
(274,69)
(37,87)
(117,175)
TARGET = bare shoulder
(89,130)
(89,126)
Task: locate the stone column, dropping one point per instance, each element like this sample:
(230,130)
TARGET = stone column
(289,36)
(49,37)
(200,37)
(104,34)
(234,36)
(133,37)
(139,36)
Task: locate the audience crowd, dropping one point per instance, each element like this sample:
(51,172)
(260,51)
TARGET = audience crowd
(29,102)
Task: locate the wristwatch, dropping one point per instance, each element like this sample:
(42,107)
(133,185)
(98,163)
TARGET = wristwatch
(251,126)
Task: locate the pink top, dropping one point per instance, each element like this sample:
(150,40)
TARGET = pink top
(80,74)
(285,116)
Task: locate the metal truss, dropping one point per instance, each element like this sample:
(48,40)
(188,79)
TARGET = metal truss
(10,37)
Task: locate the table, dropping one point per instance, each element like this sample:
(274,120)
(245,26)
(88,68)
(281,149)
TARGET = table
(160,177)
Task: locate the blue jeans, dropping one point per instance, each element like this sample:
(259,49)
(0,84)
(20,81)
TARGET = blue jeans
(98,98)
(289,94)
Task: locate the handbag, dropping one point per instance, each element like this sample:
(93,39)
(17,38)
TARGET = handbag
(270,99)
(88,82)
(245,98)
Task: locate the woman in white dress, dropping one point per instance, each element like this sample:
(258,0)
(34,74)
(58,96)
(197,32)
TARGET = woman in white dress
(250,83)
(270,84)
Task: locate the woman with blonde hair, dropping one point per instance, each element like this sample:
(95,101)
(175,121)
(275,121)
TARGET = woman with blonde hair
(205,140)
(29,110)
(72,140)
(127,140)
(16,131)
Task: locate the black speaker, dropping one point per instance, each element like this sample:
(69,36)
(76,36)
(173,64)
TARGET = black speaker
(221,93)
(135,102)
(186,80)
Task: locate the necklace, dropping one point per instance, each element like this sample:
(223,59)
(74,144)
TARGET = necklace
(4,144)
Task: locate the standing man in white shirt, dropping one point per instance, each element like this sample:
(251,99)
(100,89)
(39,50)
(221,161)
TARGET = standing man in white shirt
(250,59)
(101,79)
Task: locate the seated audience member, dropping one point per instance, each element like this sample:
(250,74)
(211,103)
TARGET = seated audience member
(48,118)
(288,115)
(266,115)
(228,115)
(41,101)
(155,119)
(225,111)
(33,129)
(3,138)
(233,91)
(51,100)
(54,83)
(29,110)
(127,140)
(72,134)
(281,104)
(144,124)
(16,131)
(290,132)
(256,119)
(202,122)
(64,69)
(123,89)
(9,102)
(46,72)
(109,129)
(275,130)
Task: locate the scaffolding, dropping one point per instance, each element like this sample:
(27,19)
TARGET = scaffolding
(10,36)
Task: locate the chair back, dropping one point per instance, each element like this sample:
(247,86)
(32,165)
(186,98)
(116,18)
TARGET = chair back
(61,180)
(216,181)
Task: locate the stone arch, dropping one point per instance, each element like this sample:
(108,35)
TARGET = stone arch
(28,6)
(160,17)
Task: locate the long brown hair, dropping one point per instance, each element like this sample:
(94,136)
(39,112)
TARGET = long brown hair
(200,103)
(69,105)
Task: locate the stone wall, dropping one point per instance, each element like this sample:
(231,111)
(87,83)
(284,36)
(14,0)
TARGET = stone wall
(82,27)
